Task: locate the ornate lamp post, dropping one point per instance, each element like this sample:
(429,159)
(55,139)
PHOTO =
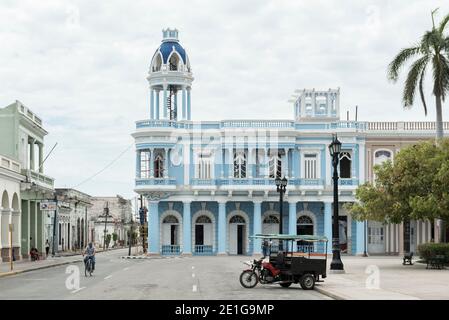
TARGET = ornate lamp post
(281,185)
(336,264)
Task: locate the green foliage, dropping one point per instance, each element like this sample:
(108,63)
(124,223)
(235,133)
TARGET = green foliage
(430,250)
(114,237)
(108,240)
(415,187)
(433,49)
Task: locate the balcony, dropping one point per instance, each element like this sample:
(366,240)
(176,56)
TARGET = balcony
(311,182)
(171,250)
(155,183)
(9,164)
(203,250)
(348,182)
(39,179)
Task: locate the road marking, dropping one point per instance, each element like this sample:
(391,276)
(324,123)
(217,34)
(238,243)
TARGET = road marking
(193,267)
(109,276)
(193,275)
(79,289)
(195,288)
(124,269)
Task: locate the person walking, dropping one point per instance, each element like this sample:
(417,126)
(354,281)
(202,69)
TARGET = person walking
(47,247)
(265,248)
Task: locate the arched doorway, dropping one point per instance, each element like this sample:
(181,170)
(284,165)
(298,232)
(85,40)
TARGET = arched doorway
(304,226)
(203,235)
(237,235)
(171,238)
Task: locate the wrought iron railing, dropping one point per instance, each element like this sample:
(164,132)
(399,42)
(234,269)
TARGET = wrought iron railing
(203,249)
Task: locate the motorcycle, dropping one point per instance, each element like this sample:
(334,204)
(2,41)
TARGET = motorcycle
(263,272)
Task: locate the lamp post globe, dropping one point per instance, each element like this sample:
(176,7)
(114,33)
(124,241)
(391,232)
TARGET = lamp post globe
(336,264)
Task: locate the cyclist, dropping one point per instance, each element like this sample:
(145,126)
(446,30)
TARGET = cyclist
(90,254)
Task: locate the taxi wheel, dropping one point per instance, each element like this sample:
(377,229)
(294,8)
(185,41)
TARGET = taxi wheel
(307,281)
(285,284)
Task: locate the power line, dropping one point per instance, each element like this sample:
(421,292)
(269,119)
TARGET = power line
(107,166)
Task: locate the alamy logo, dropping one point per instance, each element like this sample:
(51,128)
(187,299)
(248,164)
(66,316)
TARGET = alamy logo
(73,280)
(373,280)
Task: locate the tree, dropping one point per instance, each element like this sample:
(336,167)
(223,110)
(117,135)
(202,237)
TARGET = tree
(415,187)
(433,49)
(114,237)
(108,240)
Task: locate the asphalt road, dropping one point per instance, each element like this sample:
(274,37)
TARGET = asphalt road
(172,278)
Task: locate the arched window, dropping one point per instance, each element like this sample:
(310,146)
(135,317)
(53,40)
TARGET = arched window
(237,219)
(159,166)
(5,200)
(275,164)
(271,219)
(345,164)
(174,62)
(383,153)
(203,219)
(304,220)
(157,63)
(240,164)
(170,219)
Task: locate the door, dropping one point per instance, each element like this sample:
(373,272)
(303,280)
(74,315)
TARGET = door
(376,237)
(199,234)
(240,237)
(233,238)
(174,235)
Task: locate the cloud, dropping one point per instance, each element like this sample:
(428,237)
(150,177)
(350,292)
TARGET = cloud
(81,66)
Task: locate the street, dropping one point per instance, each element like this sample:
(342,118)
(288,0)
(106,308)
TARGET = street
(169,278)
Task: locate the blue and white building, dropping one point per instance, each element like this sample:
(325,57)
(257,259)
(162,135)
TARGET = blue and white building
(210,185)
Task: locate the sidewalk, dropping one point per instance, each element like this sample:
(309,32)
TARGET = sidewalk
(385,278)
(59,259)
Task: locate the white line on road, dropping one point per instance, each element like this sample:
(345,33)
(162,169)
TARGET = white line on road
(193,267)
(194,288)
(79,289)
(124,269)
(109,276)
(193,275)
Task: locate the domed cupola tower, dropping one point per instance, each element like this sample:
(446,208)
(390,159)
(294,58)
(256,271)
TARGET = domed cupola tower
(170,79)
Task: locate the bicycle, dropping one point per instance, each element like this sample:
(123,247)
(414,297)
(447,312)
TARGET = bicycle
(88,267)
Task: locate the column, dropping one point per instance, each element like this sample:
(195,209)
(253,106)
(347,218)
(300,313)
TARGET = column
(189,116)
(267,165)
(231,162)
(150,159)
(386,237)
(5,214)
(32,153)
(33,224)
(157,105)
(151,103)
(250,163)
(41,157)
(360,237)
(184,104)
(16,233)
(223,161)
(186,229)
(40,244)
(257,226)
(292,218)
(25,228)
(164,103)
(138,168)
(165,172)
(153,228)
(286,172)
(328,104)
(313,102)
(328,224)
(221,228)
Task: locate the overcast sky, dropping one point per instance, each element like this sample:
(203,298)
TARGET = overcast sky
(81,66)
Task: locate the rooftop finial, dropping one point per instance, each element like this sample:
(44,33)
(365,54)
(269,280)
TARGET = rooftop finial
(169,34)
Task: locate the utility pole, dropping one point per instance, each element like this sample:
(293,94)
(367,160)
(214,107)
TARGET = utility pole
(53,251)
(11,252)
(106,213)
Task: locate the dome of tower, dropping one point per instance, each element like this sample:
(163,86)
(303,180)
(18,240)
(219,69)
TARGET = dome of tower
(171,51)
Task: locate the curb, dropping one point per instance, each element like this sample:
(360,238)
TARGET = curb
(12,273)
(329,294)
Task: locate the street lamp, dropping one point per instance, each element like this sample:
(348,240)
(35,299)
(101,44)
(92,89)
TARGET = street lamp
(106,213)
(281,185)
(335,149)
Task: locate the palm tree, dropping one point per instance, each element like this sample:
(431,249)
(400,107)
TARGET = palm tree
(433,49)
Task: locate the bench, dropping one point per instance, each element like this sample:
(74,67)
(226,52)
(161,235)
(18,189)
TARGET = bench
(436,262)
(408,258)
